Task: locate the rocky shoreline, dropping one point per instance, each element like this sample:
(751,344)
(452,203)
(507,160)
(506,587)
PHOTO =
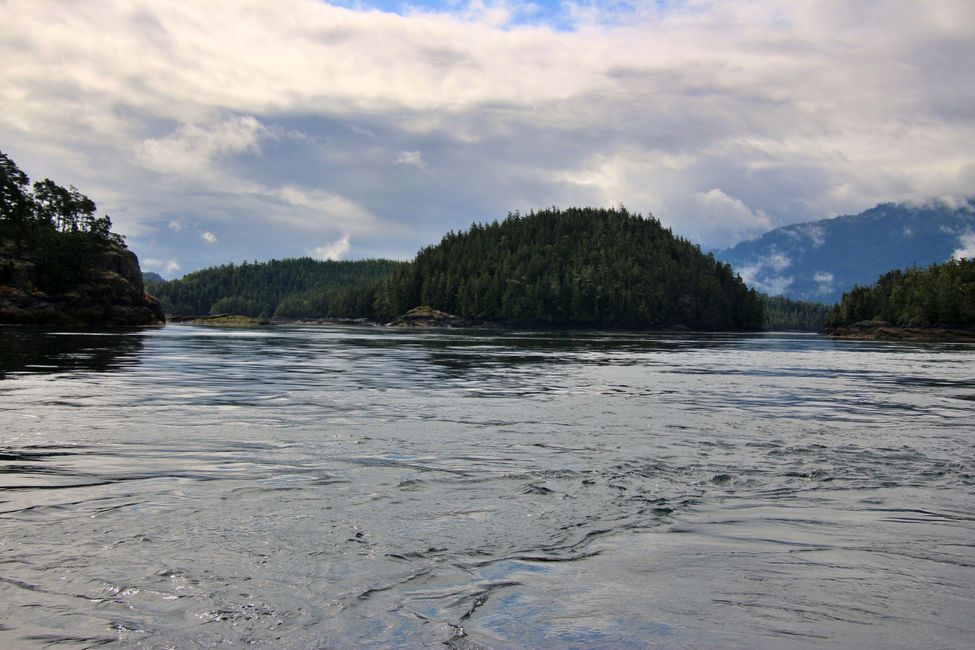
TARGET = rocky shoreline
(220,320)
(884,331)
(111,293)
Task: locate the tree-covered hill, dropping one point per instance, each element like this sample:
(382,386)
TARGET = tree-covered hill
(60,263)
(942,295)
(785,315)
(575,267)
(292,288)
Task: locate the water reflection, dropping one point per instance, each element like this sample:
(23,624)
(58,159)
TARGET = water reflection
(31,350)
(340,487)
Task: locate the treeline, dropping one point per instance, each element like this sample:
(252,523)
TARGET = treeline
(58,227)
(293,288)
(785,315)
(940,295)
(567,267)
(49,207)
(581,266)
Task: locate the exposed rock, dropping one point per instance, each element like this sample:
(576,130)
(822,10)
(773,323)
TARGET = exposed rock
(110,293)
(884,331)
(220,320)
(426,316)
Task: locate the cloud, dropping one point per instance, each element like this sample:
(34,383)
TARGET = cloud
(309,208)
(411,158)
(723,119)
(716,211)
(333,251)
(966,243)
(176,225)
(165,266)
(208,237)
(765,273)
(815,235)
(191,148)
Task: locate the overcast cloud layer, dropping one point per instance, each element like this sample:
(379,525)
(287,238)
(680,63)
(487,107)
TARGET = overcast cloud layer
(233,130)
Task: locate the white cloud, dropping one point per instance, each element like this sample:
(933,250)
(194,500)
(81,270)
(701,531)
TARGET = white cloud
(191,148)
(724,119)
(208,237)
(717,211)
(176,225)
(164,266)
(411,158)
(810,231)
(966,243)
(333,251)
(765,273)
(310,209)
(823,277)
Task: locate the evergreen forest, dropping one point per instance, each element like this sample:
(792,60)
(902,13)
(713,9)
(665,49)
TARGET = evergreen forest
(939,295)
(785,315)
(579,266)
(53,225)
(584,267)
(292,288)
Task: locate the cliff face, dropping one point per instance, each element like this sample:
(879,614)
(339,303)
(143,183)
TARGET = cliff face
(108,292)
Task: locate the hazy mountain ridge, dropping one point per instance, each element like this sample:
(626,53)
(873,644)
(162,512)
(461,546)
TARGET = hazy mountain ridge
(820,260)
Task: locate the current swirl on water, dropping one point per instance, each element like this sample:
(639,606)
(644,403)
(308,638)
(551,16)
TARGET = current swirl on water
(356,487)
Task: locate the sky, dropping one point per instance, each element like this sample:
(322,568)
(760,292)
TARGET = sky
(239,130)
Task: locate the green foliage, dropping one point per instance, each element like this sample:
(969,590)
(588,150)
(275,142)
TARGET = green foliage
(942,294)
(783,314)
(49,207)
(57,225)
(15,202)
(295,288)
(577,266)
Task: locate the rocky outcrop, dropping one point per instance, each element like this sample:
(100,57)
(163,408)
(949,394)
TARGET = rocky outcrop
(427,317)
(884,331)
(109,292)
(220,320)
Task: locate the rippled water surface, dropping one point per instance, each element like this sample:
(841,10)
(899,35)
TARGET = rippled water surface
(306,487)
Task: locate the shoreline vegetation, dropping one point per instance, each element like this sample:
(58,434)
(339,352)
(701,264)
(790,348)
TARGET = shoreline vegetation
(425,317)
(932,304)
(60,264)
(884,331)
(579,267)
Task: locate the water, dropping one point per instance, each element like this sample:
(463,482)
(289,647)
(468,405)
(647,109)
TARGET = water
(305,487)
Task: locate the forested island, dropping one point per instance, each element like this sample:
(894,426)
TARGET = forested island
(292,288)
(574,267)
(786,315)
(578,267)
(934,302)
(62,264)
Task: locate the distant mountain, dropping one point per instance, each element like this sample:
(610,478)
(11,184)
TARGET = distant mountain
(151,277)
(820,260)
